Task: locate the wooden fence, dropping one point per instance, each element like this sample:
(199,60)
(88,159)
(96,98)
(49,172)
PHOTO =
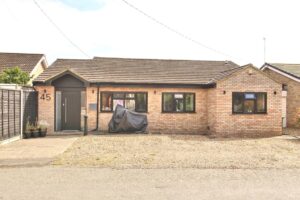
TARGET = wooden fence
(12,108)
(10,113)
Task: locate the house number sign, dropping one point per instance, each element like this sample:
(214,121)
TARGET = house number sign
(45,97)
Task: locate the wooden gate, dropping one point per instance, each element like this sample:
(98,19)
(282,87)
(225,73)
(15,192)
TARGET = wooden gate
(30,106)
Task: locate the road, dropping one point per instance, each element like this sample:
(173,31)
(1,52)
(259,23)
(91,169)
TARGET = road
(37,183)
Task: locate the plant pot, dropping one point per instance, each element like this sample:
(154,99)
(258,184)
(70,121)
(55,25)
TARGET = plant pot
(42,132)
(26,134)
(35,133)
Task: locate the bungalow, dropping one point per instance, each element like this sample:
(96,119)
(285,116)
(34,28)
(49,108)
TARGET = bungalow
(178,96)
(289,76)
(33,64)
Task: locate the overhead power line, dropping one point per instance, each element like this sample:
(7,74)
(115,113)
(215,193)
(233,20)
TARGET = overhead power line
(60,30)
(176,31)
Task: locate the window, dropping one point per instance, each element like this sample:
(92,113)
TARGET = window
(178,102)
(135,101)
(249,102)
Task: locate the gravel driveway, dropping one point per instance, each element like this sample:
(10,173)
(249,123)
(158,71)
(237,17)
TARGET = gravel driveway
(168,151)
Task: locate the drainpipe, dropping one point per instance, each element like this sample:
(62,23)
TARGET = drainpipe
(97,116)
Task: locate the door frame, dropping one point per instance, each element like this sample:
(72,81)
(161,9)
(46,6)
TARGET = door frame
(61,89)
(67,79)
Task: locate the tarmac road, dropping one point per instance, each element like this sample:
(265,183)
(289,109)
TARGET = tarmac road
(37,183)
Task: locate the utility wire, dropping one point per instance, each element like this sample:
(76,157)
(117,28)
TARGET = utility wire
(60,30)
(176,32)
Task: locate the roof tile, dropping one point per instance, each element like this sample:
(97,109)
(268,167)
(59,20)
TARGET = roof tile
(23,60)
(148,71)
(293,69)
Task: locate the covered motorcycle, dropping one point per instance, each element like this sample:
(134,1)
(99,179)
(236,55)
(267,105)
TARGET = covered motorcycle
(124,120)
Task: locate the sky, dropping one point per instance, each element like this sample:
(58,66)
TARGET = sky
(231,29)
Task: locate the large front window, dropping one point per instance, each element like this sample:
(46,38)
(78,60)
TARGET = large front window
(135,101)
(178,102)
(249,102)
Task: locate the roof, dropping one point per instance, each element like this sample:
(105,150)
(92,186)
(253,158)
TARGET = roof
(142,71)
(289,70)
(23,60)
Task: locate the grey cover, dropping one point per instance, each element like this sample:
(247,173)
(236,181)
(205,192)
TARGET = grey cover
(124,120)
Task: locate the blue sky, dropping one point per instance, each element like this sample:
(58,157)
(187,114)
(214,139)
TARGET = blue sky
(84,5)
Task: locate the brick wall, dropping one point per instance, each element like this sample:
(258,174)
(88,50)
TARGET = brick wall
(91,98)
(192,123)
(46,105)
(248,124)
(293,97)
(211,110)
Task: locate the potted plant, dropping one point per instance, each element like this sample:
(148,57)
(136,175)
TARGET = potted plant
(34,131)
(27,132)
(42,126)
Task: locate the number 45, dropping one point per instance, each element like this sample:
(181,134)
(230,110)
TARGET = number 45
(45,97)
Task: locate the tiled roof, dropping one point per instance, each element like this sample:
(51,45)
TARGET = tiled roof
(143,71)
(291,69)
(23,60)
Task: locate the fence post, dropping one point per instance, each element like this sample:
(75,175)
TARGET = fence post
(85,128)
(21,113)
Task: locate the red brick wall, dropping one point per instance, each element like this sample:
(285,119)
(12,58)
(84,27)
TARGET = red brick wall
(46,106)
(211,110)
(91,98)
(248,124)
(192,123)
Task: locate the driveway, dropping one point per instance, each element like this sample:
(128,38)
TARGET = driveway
(181,151)
(34,152)
(143,184)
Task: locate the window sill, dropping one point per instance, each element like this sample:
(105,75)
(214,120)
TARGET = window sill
(113,112)
(105,111)
(249,113)
(178,112)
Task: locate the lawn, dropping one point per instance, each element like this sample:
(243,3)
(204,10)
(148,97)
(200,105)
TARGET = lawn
(178,151)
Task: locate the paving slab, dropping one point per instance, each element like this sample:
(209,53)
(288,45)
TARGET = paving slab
(34,152)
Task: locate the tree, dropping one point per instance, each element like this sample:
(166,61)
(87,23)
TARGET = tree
(14,75)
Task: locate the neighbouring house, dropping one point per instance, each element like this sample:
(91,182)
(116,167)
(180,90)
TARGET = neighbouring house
(178,96)
(289,76)
(33,64)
